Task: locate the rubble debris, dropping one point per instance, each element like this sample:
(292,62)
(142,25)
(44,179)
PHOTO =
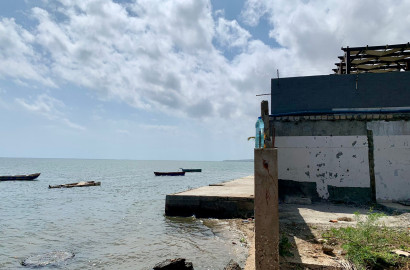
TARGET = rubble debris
(328,250)
(174,264)
(401,253)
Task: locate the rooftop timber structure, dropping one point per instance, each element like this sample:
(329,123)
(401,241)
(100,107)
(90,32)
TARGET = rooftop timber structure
(374,59)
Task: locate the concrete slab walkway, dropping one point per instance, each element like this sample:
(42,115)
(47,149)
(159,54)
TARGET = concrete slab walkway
(233,199)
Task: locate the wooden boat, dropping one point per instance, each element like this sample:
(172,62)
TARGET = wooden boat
(25,177)
(191,170)
(169,173)
(79,184)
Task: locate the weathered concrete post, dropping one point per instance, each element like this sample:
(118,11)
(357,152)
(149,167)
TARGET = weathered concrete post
(266,204)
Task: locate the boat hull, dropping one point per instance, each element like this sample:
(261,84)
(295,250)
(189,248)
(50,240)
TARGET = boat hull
(26,177)
(191,170)
(169,173)
(79,184)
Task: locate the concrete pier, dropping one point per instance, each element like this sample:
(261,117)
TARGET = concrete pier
(233,199)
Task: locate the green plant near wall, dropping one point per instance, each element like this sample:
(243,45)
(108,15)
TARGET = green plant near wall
(285,246)
(369,244)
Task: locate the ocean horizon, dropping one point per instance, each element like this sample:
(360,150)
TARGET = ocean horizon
(118,225)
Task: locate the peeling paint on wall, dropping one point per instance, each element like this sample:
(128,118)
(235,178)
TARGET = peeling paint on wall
(342,161)
(305,165)
(392,159)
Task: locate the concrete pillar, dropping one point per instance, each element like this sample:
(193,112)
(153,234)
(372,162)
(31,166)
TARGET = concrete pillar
(266,209)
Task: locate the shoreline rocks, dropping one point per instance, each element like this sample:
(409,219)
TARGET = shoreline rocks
(174,264)
(47,259)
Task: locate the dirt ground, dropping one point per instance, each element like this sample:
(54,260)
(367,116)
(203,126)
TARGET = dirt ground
(304,225)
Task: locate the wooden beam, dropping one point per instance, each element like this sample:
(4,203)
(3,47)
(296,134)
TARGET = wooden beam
(405,45)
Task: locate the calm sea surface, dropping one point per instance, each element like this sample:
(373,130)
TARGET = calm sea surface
(119,225)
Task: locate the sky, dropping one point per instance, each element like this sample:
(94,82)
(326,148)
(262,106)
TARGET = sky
(169,79)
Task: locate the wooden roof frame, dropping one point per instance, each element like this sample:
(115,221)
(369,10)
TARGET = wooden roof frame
(374,59)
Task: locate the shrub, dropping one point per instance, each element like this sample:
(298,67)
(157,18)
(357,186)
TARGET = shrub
(369,244)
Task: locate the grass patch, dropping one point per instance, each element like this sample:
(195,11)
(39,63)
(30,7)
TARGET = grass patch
(285,246)
(368,245)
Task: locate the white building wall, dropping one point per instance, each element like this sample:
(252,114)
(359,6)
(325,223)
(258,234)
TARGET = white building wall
(326,160)
(342,161)
(391,159)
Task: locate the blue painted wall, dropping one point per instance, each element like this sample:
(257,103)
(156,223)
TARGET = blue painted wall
(327,92)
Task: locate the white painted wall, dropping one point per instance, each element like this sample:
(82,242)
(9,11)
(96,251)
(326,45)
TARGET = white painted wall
(343,160)
(391,159)
(326,160)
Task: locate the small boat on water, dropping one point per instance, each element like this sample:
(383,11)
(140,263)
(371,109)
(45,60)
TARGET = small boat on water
(25,177)
(169,173)
(79,184)
(191,170)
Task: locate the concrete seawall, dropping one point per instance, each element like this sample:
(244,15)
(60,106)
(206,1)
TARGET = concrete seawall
(233,199)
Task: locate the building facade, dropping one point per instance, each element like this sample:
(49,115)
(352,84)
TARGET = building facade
(343,137)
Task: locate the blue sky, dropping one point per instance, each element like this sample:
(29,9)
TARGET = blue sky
(164,80)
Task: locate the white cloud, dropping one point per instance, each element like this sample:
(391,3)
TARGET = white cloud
(18,58)
(160,55)
(50,108)
(231,34)
(314,31)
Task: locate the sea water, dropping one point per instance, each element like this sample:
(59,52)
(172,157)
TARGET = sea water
(118,225)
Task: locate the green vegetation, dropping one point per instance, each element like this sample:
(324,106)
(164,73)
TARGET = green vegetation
(285,246)
(369,245)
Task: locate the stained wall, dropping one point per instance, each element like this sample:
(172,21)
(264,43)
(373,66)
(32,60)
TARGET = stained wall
(334,156)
